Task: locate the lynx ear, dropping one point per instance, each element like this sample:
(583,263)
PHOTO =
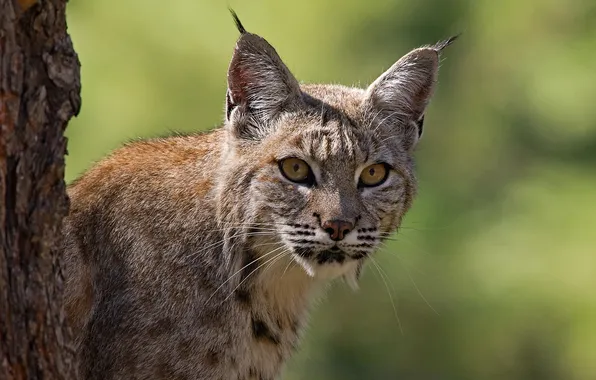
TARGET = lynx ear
(402,93)
(260,86)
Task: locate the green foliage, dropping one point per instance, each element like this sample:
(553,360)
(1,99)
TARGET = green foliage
(493,275)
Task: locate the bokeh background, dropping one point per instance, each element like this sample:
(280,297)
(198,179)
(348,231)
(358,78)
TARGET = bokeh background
(493,275)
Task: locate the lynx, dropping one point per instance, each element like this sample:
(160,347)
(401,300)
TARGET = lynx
(198,256)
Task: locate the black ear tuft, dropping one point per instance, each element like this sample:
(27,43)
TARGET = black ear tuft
(439,46)
(237,21)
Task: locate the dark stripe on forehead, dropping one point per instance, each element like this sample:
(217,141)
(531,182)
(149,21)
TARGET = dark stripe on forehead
(325,142)
(327,113)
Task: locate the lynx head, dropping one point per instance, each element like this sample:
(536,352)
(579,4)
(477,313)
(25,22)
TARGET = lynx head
(323,171)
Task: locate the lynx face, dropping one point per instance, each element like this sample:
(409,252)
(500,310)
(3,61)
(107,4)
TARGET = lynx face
(329,168)
(332,189)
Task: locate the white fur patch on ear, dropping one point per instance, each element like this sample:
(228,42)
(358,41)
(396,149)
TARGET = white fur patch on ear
(415,132)
(420,126)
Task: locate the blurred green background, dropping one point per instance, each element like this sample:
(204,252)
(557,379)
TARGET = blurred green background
(493,275)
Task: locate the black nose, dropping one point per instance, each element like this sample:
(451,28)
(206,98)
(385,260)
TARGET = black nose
(337,229)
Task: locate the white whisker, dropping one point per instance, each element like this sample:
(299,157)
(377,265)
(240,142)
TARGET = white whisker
(240,270)
(390,295)
(251,273)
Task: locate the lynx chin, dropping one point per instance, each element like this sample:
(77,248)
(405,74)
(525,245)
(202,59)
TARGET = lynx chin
(197,257)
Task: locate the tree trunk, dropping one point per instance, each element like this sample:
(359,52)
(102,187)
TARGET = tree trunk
(39,93)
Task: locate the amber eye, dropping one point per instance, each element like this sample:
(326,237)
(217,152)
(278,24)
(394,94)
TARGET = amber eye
(296,170)
(374,175)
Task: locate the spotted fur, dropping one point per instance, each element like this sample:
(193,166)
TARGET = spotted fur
(193,257)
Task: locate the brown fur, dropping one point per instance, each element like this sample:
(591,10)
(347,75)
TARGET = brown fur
(193,257)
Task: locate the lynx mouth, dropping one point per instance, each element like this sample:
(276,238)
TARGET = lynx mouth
(328,263)
(328,256)
(333,255)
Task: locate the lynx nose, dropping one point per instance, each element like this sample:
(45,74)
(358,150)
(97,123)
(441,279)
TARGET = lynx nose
(337,229)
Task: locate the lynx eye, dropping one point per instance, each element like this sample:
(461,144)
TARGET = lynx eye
(374,175)
(296,170)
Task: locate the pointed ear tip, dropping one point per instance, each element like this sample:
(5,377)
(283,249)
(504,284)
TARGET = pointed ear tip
(425,56)
(250,41)
(439,46)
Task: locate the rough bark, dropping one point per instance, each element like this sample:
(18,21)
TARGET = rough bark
(39,93)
